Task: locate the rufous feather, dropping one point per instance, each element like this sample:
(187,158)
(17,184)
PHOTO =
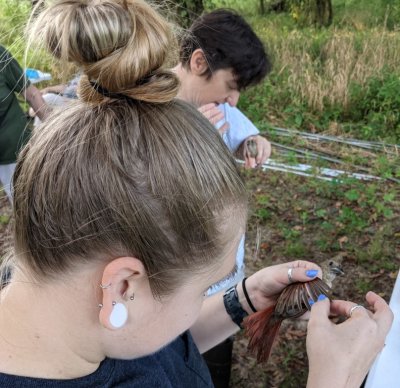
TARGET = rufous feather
(262,327)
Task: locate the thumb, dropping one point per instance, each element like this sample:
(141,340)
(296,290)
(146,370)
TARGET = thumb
(320,310)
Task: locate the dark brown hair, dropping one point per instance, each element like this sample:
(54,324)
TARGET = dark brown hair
(228,42)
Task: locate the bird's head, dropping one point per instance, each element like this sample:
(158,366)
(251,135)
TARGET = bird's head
(330,269)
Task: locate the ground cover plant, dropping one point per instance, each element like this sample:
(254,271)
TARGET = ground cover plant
(334,84)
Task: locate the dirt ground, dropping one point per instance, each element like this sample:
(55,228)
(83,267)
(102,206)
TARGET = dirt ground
(302,218)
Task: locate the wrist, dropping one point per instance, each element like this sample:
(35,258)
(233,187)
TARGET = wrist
(253,296)
(233,306)
(335,376)
(246,301)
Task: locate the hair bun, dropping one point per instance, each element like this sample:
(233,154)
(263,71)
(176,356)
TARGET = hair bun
(158,88)
(121,45)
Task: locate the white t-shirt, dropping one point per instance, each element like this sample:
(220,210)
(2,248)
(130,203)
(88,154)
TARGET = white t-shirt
(240,128)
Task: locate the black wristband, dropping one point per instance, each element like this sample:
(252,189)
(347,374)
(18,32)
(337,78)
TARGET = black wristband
(233,306)
(247,296)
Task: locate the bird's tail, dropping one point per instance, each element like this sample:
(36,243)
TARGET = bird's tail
(261,328)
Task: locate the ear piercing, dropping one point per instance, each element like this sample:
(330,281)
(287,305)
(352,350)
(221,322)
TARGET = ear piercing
(119,315)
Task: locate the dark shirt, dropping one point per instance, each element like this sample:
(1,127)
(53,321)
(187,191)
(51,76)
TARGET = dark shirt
(178,365)
(13,121)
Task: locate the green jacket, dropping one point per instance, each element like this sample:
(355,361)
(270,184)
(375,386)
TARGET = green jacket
(13,121)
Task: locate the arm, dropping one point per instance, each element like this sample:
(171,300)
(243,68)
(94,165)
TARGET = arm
(35,100)
(214,323)
(57,89)
(341,355)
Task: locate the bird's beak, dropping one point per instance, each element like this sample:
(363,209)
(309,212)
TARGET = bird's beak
(337,270)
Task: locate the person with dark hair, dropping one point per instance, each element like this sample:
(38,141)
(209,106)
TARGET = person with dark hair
(13,121)
(128,207)
(220,57)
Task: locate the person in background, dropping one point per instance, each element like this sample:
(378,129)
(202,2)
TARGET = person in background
(57,95)
(128,207)
(13,121)
(219,57)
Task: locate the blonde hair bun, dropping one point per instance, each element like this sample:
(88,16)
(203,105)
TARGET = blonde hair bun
(122,46)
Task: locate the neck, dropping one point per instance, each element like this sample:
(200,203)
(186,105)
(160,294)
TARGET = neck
(52,350)
(187,84)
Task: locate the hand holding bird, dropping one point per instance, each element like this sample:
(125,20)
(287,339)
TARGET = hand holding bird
(294,301)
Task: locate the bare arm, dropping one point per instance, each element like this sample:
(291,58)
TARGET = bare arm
(57,89)
(35,100)
(215,325)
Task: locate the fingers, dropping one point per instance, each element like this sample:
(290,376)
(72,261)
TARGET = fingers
(223,128)
(344,308)
(295,271)
(212,113)
(301,271)
(263,150)
(320,311)
(249,162)
(382,313)
(205,108)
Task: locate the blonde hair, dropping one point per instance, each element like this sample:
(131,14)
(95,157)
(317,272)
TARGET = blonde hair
(122,45)
(134,172)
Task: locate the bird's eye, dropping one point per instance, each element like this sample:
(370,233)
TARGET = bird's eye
(331,263)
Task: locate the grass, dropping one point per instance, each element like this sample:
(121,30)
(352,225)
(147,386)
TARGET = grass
(325,78)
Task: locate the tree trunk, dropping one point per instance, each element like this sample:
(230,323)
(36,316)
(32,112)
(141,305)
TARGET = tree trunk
(262,7)
(323,12)
(194,9)
(183,12)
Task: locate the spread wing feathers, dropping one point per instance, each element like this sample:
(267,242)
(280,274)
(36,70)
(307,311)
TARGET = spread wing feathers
(262,327)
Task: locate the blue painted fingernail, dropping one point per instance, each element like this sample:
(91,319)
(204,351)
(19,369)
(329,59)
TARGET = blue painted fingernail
(311,273)
(322,297)
(311,302)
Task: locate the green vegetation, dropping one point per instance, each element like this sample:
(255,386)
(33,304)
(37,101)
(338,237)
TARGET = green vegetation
(340,77)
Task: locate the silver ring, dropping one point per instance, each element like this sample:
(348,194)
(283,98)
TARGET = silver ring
(289,275)
(106,286)
(357,306)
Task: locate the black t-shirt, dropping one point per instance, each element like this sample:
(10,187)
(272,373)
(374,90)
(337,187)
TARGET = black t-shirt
(178,365)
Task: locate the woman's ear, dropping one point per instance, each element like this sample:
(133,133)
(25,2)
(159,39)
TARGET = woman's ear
(118,285)
(198,62)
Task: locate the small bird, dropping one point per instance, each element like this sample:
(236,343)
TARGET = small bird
(251,148)
(262,327)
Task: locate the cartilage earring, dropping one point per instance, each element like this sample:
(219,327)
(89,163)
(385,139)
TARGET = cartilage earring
(119,315)
(132,297)
(106,286)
